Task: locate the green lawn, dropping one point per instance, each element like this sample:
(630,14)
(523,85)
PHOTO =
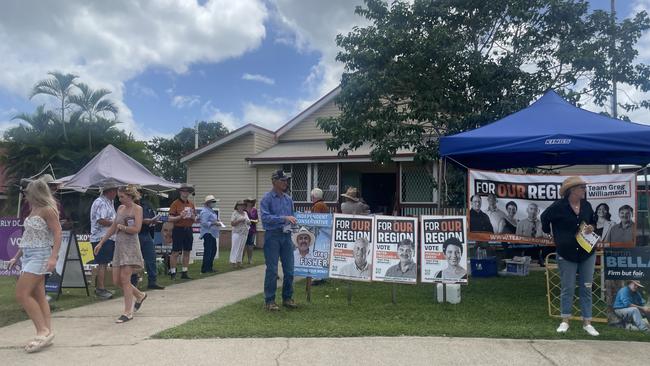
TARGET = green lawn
(510,307)
(11,312)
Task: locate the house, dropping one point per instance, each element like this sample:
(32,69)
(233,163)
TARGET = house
(240,165)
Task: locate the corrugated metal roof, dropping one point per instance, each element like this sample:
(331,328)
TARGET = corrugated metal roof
(316,152)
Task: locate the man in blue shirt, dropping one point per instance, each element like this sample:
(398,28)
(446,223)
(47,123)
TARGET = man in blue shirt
(276,209)
(630,306)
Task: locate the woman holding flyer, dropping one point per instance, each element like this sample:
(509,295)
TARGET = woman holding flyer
(566,217)
(39,249)
(127,257)
(240,224)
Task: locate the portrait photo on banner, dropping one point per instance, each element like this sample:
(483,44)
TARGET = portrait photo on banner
(312,244)
(444,249)
(395,249)
(351,251)
(507,207)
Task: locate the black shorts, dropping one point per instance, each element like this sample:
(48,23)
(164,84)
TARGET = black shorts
(250,239)
(105,255)
(182,239)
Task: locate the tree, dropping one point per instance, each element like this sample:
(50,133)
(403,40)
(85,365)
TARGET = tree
(40,120)
(59,86)
(168,152)
(432,68)
(92,103)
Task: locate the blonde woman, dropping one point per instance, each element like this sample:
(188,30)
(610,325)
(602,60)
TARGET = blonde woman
(39,249)
(240,224)
(127,256)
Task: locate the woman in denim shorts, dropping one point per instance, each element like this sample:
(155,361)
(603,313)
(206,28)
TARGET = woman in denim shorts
(39,249)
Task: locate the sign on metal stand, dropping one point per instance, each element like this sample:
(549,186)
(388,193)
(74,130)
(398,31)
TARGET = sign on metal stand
(69,271)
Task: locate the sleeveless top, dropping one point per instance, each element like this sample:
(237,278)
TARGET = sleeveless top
(36,233)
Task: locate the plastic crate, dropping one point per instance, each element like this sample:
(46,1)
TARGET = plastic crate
(517,266)
(486,267)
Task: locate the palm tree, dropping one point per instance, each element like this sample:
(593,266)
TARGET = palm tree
(39,120)
(59,86)
(92,104)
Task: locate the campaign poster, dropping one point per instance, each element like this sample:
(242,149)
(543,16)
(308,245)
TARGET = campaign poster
(312,241)
(351,251)
(85,248)
(395,249)
(508,207)
(10,234)
(627,264)
(444,249)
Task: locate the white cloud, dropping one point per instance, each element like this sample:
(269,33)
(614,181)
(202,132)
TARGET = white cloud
(108,43)
(314,25)
(270,118)
(142,91)
(258,77)
(185,101)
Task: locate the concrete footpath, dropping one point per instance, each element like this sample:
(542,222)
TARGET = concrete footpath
(89,335)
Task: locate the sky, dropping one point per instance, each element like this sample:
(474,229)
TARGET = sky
(170,63)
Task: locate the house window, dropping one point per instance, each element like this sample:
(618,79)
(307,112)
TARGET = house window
(417,184)
(305,177)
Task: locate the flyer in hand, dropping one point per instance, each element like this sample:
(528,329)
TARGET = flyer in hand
(587,241)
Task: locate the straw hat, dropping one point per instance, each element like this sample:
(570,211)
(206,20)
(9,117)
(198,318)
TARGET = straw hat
(352,193)
(210,198)
(186,187)
(570,183)
(637,283)
(303,231)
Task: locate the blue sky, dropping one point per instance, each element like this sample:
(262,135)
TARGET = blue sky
(170,63)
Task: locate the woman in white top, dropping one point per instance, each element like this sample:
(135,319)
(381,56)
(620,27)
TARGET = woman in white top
(39,249)
(240,224)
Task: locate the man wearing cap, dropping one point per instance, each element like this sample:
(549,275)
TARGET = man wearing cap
(353,204)
(210,227)
(102,214)
(565,217)
(406,268)
(182,213)
(630,306)
(276,209)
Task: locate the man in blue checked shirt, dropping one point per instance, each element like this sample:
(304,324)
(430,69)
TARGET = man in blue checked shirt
(276,209)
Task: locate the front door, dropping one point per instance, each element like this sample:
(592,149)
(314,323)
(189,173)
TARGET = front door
(378,190)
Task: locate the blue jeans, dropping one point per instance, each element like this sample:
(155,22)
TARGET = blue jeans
(585,271)
(278,245)
(149,257)
(632,315)
(209,252)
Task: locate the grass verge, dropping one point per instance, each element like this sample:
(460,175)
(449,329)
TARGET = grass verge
(504,307)
(11,312)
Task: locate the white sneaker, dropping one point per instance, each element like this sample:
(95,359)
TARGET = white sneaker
(564,326)
(591,330)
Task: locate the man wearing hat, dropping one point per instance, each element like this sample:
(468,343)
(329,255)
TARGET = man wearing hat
(565,217)
(182,213)
(353,204)
(276,209)
(102,214)
(210,228)
(303,239)
(252,231)
(630,306)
